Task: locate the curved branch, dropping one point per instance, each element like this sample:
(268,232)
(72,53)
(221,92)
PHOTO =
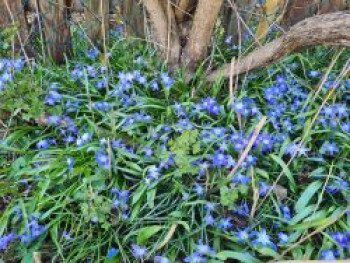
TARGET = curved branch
(330,29)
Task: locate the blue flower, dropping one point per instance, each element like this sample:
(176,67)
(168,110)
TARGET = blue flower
(263,240)
(43,144)
(283,238)
(266,142)
(153,175)
(160,259)
(295,149)
(228,40)
(221,160)
(204,249)
(33,231)
(341,110)
(92,53)
(210,207)
(102,84)
(345,127)
(54,120)
(103,160)
(167,81)
(67,236)
(180,112)
(251,160)
(195,258)
(211,106)
(112,253)
(139,252)
(154,85)
(242,235)
(330,147)
(224,223)
(84,139)
(199,190)
(241,179)
(70,163)
(343,239)
(6,239)
(141,79)
(148,151)
(286,214)
(102,106)
(209,220)
(245,107)
(53,98)
(242,210)
(263,189)
(91,71)
(327,255)
(314,74)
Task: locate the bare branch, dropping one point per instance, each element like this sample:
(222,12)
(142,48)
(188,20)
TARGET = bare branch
(203,24)
(330,29)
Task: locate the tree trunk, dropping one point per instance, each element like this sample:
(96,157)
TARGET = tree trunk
(97,23)
(12,14)
(133,17)
(199,39)
(330,29)
(236,22)
(165,30)
(55,18)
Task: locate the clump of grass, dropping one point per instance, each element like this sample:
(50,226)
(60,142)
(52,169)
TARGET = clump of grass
(124,162)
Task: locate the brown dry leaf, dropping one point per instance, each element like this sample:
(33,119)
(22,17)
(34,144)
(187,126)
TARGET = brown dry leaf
(280,192)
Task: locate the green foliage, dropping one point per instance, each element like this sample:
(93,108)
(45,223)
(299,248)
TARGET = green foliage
(164,163)
(184,147)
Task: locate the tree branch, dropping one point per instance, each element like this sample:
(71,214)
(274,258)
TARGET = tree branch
(203,24)
(330,29)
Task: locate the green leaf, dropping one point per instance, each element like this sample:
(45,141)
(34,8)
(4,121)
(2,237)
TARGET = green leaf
(306,196)
(285,170)
(138,193)
(242,257)
(146,233)
(228,196)
(268,252)
(151,194)
(301,215)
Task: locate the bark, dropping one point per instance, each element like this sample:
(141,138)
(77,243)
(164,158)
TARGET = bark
(133,17)
(237,19)
(199,39)
(328,6)
(97,23)
(55,19)
(329,29)
(182,10)
(12,14)
(165,31)
(297,10)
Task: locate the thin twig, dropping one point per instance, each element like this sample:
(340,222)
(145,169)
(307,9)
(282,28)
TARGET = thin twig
(168,237)
(241,159)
